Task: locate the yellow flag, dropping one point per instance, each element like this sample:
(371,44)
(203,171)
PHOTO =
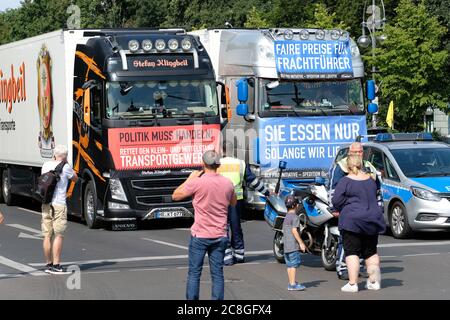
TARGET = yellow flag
(390,115)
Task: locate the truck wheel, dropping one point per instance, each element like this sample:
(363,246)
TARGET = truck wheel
(278,247)
(90,206)
(8,198)
(398,221)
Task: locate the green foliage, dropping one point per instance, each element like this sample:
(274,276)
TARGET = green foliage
(412,64)
(325,20)
(255,19)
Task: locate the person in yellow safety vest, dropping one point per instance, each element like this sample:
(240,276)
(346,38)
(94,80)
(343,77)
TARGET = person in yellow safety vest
(238,172)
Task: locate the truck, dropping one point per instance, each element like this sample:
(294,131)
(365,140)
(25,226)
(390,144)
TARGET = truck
(296,96)
(136,108)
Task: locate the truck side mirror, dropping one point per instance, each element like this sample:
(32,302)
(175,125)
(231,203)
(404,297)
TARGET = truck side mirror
(242,109)
(242,93)
(372,107)
(242,90)
(370,89)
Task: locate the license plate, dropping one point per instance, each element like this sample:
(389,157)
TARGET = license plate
(170,214)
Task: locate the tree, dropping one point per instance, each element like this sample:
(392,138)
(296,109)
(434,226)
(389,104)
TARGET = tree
(291,13)
(255,19)
(325,20)
(412,65)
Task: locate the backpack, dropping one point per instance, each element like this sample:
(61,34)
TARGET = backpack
(47,183)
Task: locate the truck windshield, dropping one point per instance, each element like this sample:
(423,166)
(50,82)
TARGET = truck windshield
(306,97)
(152,99)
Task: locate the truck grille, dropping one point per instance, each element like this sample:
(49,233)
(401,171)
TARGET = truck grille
(157,191)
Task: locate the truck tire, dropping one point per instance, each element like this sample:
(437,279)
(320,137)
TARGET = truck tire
(90,206)
(8,198)
(398,221)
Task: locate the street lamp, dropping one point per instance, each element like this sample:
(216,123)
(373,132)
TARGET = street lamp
(373,23)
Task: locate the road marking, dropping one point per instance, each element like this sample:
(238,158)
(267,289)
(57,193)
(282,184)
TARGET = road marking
(254,253)
(18,266)
(166,243)
(101,271)
(29,236)
(25,228)
(182,229)
(119,260)
(414,244)
(32,211)
(148,269)
(420,254)
(5,275)
(138,259)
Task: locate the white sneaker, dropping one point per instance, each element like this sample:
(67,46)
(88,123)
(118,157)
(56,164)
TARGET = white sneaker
(350,288)
(373,285)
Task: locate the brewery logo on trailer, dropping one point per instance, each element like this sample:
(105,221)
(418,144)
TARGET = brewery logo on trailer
(45,103)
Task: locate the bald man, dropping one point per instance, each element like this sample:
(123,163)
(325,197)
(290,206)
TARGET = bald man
(339,170)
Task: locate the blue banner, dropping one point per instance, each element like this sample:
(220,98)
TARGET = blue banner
(306,143)
(313,59)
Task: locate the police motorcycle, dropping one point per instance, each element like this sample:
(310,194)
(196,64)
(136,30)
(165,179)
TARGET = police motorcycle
(318,227)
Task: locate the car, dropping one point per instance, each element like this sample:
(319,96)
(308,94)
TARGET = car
(415,175)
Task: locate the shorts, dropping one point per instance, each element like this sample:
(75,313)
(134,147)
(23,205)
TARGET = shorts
(358,244)
(293,259)
(54,221)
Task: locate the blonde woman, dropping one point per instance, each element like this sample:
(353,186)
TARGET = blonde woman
(360,223)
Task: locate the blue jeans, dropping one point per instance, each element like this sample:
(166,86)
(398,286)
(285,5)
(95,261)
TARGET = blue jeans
(198,247)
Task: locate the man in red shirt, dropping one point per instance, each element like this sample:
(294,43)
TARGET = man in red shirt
(212,195)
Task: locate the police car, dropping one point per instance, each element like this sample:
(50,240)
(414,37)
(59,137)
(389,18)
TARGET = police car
(415,173)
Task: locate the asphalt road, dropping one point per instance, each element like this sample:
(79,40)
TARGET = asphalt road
(151,263)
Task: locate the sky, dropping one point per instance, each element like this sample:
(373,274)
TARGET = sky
(12,4)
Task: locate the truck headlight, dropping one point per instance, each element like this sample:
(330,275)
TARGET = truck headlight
(118,206)
(425,194)
(133,45)
(117,191)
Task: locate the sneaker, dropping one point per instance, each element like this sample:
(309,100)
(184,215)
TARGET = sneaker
(372,285)
(48,267)
(296,287)
(350,288)
(58,269)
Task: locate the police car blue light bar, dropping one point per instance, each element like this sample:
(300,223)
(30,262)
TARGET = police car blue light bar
(416,136)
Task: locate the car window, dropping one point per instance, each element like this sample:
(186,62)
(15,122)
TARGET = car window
(390,170)
(375,157)
(423,162)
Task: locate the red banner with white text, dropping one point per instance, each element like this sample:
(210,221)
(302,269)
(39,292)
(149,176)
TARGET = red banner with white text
(162,147)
